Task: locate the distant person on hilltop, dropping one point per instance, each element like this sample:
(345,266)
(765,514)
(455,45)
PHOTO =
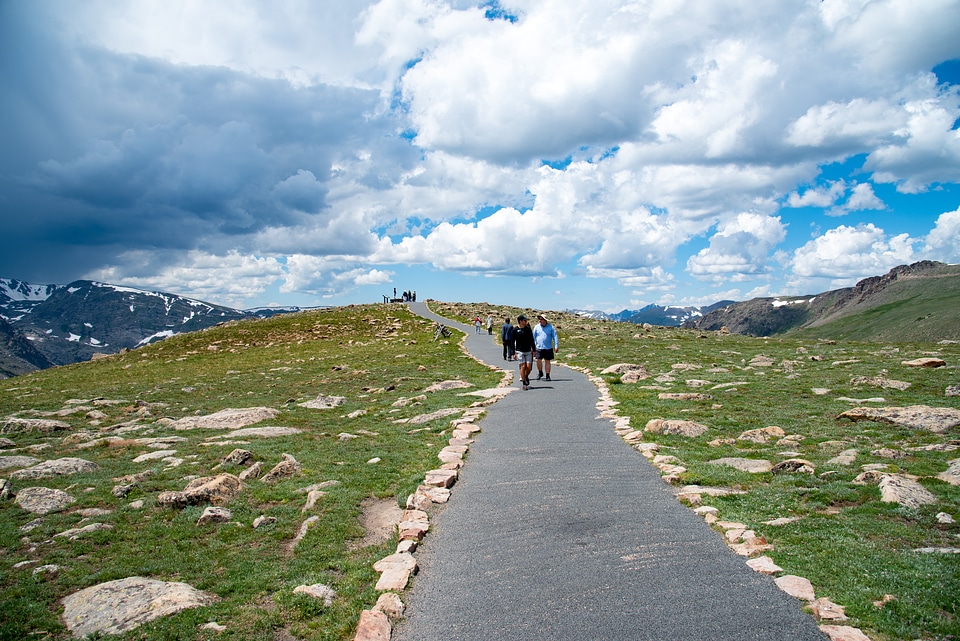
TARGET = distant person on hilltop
(525,346)
(545,337)
(490,324)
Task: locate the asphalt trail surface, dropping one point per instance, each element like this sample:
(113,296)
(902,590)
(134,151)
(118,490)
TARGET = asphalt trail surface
(558,530)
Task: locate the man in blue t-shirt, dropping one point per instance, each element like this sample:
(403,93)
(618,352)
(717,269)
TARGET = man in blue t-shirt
(547,345)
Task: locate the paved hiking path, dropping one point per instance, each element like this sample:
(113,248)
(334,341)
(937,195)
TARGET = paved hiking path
(558,530)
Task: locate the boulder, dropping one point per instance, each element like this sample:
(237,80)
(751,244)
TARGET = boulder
(318,591)
(288,466)
(226,419)
(762,435)
(322,402)
(448,385)
(17,425)
(118,606)
(794,466)
(218,490)
(266,432)
(921,417)
(952,474)
(215,515)
(683,396)
(623,368)
(677,427)
(754,466)
(796,586)
(43,500)
(879,381)
(925,361)
(373,626)
(57,467)
(17,461)
(899,489)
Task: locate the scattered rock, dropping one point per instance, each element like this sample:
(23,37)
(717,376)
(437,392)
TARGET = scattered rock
(236,457)
(318,591)
(899,489)
(252,472)
(17,425)
(794,466)
(373,626)
(677,427)
(432,416)
(58,467)
(218,490)
(933,419)
(754,466)
(322,402)
(403,402)
(925,361)
(226,419)
(683,396)
(796,586)
(952,473)
(43,500)
(288,466)
(266,432)
(215,515)
(75,533)
(843,633)
(953,390)
(448,385)
(764,565)
(846,457)
(879,381)
(117,606)
(390,604)
(762,435)
(17,461)
(153,456)
(263,520)
(826,610)
(396,570)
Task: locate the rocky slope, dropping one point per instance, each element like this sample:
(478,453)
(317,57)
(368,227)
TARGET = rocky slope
(911,302)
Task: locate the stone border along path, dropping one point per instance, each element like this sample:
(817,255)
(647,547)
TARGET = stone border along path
(562,532)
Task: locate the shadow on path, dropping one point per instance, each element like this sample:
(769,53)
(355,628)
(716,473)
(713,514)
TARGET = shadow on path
(558,530)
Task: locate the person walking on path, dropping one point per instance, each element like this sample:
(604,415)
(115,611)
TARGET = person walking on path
(523,337)
(490,324)
(506,337)
(476,324)
(547,345)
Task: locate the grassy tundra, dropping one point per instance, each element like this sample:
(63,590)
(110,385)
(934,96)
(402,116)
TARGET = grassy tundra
(854,548)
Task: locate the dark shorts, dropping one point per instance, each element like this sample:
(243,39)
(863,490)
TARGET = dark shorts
(545,354)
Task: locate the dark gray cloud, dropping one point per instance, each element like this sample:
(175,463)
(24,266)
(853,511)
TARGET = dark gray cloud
(104,153)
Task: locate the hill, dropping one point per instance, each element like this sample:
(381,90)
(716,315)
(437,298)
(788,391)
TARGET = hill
(918,302)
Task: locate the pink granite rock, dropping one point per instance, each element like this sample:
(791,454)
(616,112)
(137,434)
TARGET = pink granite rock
(373,626)
(796,586)
(843,633)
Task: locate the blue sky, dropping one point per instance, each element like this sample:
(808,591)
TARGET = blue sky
(549,154)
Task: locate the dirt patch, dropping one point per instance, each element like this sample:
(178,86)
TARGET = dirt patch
(379,520)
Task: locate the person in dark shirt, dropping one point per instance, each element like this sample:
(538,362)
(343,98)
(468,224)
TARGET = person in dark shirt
(506,337)
(523,340)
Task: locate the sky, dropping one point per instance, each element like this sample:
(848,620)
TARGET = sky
(547,154)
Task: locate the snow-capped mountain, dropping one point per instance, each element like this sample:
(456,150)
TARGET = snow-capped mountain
(655,314)
(69,323)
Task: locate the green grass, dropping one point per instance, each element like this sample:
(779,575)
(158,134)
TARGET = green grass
(853,548)
(371,355)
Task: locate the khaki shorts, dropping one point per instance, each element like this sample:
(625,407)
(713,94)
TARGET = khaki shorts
(526,357)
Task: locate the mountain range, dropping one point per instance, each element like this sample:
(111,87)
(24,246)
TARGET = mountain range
(654,314)
(46,325)
(910,303)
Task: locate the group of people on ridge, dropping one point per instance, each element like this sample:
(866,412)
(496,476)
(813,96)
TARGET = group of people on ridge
(527,344)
